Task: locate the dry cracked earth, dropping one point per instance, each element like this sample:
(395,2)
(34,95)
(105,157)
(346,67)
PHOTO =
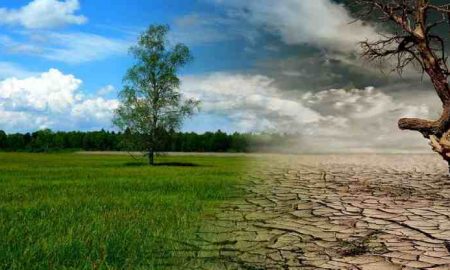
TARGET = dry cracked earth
(335,212)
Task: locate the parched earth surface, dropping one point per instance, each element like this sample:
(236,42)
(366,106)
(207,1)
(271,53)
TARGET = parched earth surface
(335,212)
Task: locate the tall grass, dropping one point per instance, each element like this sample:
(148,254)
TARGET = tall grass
(69,211)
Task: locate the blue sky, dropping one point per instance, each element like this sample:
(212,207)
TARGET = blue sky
(93,47)
(121,21)
(282,66)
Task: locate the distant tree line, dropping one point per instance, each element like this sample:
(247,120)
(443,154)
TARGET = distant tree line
(47,140)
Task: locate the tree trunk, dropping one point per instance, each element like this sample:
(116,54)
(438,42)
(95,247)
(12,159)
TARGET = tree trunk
(151,157)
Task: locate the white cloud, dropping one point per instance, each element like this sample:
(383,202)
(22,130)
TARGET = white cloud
(327,121)
(51,100)
(8,70)
(316,22)
(241,96)
(194,29)
(10,45)
(106,90)
(72,48)
(201,28)
(95,112)
(51,91)
(40,14)
(21,121)
(82,47)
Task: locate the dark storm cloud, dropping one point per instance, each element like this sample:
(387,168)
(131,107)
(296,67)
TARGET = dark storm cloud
(310,45)
(319,70)
(305,45)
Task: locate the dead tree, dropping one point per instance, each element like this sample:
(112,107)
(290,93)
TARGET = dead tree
(416,40)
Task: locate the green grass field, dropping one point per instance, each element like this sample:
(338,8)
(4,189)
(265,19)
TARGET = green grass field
(72,211)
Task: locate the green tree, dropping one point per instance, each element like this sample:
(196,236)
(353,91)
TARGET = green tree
(3,139)
(42,140)
(16,141)
(151,105)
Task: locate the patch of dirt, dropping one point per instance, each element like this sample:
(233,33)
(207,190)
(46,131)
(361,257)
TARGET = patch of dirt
(335,212)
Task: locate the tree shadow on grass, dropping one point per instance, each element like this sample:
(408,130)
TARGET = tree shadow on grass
(163,164)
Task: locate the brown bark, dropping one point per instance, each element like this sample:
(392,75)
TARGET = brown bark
(151,157)
(428,127)
(438,78)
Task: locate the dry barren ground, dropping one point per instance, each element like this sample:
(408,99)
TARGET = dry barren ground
(336,212)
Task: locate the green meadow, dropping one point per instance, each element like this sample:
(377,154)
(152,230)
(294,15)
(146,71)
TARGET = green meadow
(75,211)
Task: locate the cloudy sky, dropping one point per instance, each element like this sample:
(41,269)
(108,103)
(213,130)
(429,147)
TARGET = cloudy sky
(282,66)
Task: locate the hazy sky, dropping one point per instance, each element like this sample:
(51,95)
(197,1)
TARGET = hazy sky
(273,65)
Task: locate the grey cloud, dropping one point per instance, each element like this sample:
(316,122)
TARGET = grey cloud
(303,44)
(320,23)
(319,70)
(333,120)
